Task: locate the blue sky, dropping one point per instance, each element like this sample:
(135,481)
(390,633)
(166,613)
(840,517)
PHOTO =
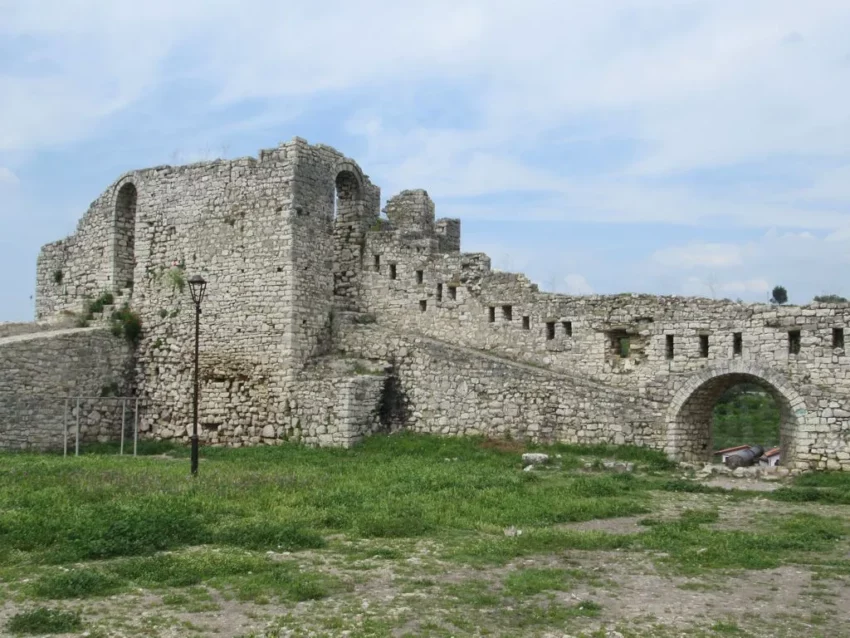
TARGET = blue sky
(675,147)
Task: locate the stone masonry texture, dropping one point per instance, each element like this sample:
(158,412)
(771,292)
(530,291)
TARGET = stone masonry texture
(326,320)
(40,370)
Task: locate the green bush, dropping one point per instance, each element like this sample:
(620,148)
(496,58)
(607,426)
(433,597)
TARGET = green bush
(128,324)
(265,535)
(42,620)
(143,527)
(832,496)
(96,306)
(392,525)
(177,279)
(76,583)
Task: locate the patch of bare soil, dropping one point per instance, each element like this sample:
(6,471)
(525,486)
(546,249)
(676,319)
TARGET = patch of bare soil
(750,485)
(642,595)
(623,525)
(636,599)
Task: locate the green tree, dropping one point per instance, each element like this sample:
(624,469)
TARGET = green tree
(780,295)
(830,299)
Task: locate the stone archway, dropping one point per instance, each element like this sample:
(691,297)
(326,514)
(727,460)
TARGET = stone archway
(124,260)
(689,416)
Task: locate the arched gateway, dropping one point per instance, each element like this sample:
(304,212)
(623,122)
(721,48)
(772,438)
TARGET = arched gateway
(689,416)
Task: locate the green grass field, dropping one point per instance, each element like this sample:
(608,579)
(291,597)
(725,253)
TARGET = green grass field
(438,537)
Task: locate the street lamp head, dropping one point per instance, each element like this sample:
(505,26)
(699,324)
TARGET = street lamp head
(197,286)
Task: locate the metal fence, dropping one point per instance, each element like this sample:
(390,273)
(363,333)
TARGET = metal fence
(50,422)
(77,412)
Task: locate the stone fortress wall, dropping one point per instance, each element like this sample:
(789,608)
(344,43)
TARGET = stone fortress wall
(40,369)
(325,321)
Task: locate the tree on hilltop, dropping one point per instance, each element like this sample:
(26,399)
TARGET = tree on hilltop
(779,295)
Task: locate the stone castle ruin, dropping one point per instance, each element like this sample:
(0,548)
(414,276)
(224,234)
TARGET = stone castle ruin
(325,321)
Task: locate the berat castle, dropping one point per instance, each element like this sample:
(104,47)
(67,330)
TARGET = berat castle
(325,321)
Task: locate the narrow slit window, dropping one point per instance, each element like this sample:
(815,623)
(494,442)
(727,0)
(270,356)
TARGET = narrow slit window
(550,330)
(420,276)
(423,305)
(507,313)
(568,328)
(526,323)
(670,347)
(703,346)
(453,293)
(737,343)
(392,271)
(794,342)
(439,292)
(838,337)
(624,346)
(377,263)
(492,314)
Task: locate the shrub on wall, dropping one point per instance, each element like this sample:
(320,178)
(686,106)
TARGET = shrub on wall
(177,279)
(94,307)
(127,323)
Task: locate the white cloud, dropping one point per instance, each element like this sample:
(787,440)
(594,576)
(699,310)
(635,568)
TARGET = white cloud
(7,176)
(752,289)
(713,113)
(577,285)
(693,255)
(805,263)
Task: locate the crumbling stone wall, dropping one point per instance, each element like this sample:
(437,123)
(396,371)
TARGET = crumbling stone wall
(647,345)
(39,370)
(292,240)
(450,390)
(278,238)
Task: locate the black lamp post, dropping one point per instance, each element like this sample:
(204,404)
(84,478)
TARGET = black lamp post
(197,286)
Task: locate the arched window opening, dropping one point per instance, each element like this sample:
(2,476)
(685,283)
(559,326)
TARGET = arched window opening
(125,234)
(346,193)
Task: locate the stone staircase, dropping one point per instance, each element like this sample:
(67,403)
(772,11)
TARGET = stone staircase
(121,297)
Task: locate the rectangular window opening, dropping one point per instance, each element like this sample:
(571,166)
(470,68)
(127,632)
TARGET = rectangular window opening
(377,263)
(670,350)
(838,338)
(737,343)
(507,313)
(623,346)
(492,314)
(526,323)
(439,292)
(568,328)
(423,305)
(453,293)
(703,346)
(794,342)
(392,271)
(550,330)
(420,276)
